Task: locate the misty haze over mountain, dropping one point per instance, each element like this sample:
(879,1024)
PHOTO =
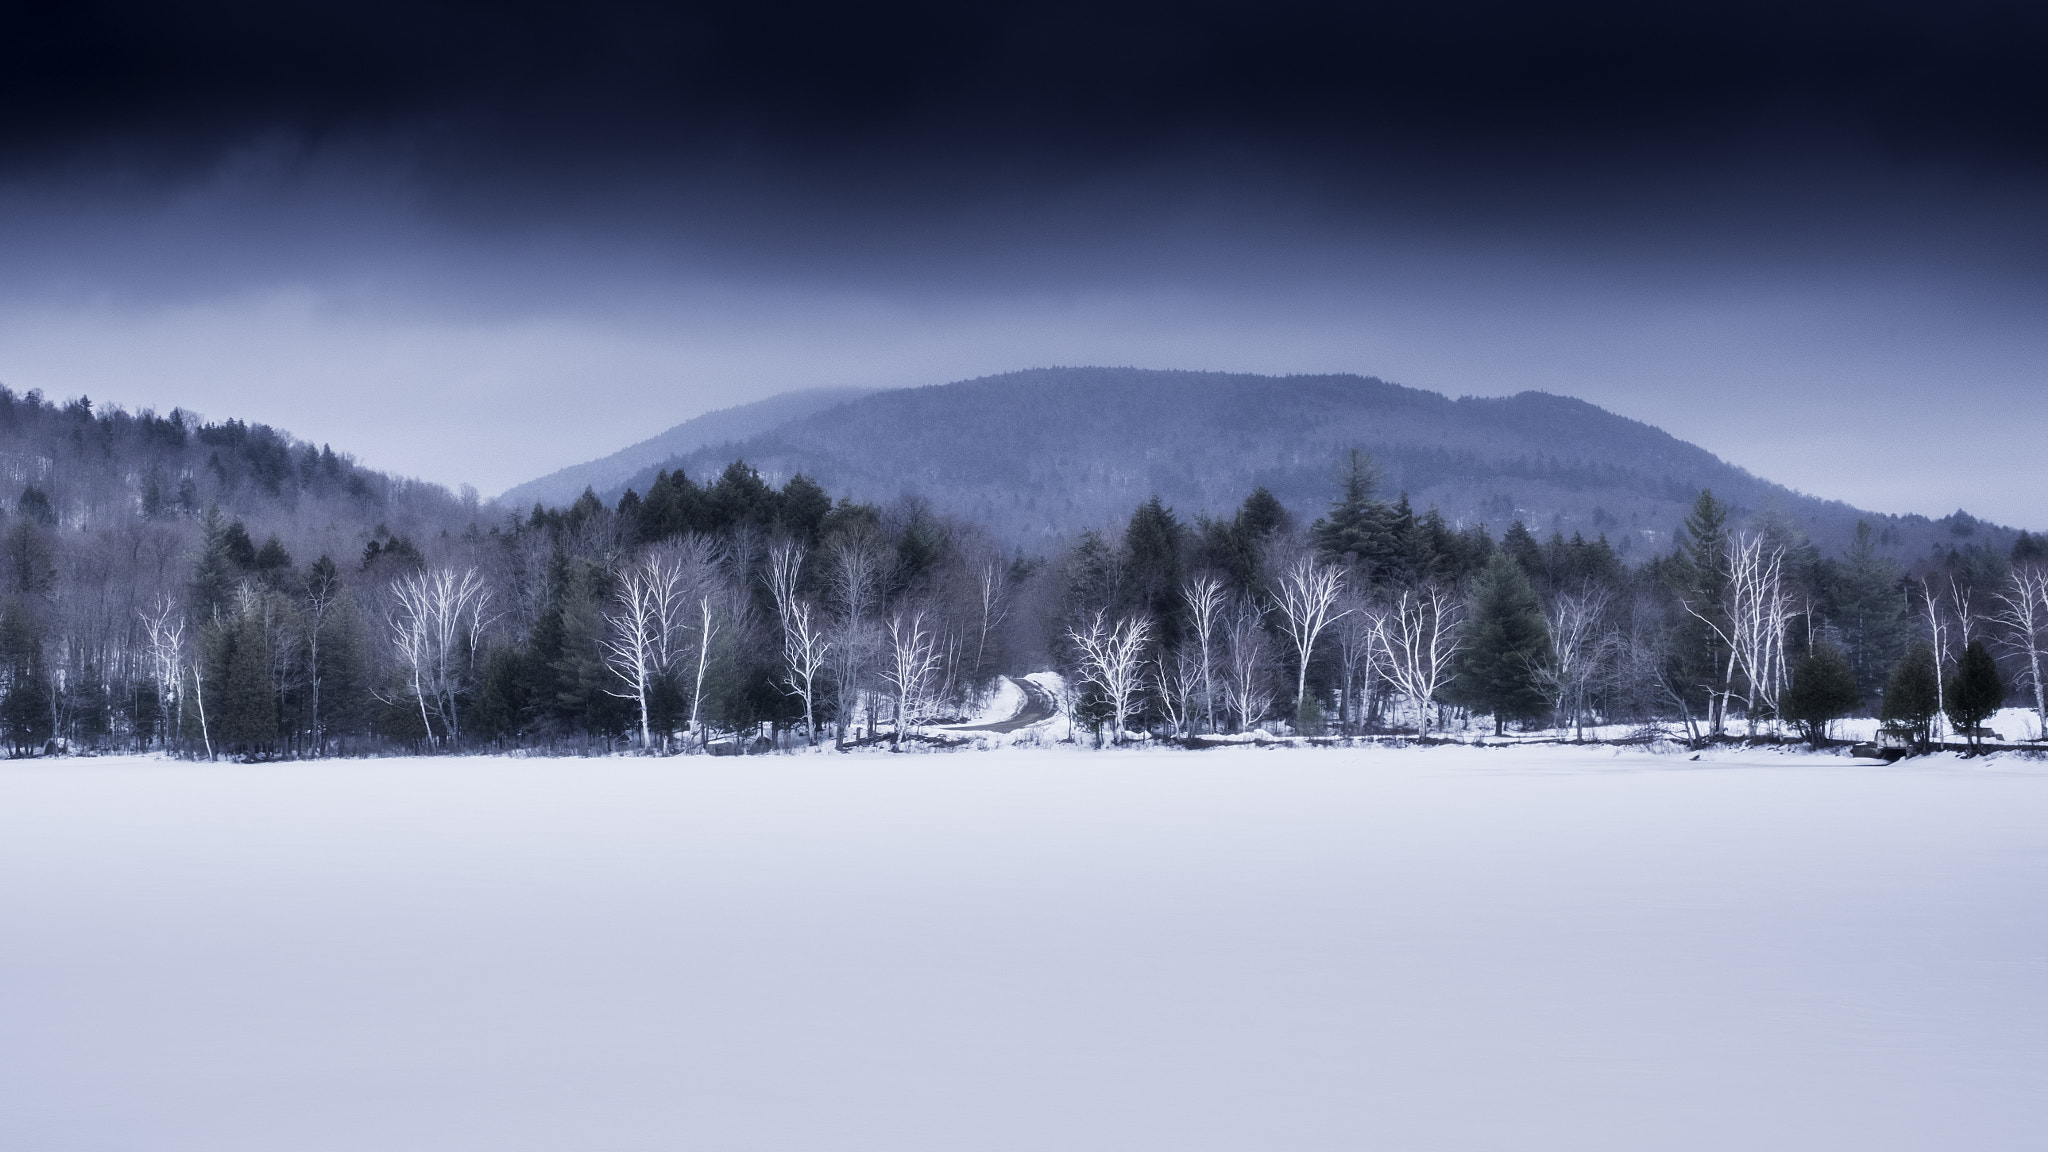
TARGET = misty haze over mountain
(727,425)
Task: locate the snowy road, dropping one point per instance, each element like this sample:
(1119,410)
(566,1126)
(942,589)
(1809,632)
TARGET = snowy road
(1422,949)
(1036,706)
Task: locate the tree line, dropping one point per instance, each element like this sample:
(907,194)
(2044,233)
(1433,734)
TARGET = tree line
(221,589)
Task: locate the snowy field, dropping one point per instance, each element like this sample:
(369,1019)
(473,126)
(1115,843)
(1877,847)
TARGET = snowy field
(1535,948)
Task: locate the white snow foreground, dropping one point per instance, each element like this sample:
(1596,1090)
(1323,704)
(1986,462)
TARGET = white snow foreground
(1443,948)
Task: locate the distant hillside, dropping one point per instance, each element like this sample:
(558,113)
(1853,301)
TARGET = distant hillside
(1042,453)
(711,429)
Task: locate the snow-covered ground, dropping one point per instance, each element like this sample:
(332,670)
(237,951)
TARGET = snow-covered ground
(1444,948)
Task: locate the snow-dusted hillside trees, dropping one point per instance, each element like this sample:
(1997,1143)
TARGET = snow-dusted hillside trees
(220,589)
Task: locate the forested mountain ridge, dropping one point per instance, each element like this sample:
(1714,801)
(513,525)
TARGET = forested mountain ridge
(113,520)
(723,426)
(1040,454)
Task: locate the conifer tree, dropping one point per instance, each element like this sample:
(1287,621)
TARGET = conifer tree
(345,703)
(1237,546)
(1870,609)
(1358,534)
(1519,544)
(1975,692)
(213,577)
(25,713)
(1823,690)
(1152,570)
(1507,647)
(1912,695)
(247,701)
(1699,577)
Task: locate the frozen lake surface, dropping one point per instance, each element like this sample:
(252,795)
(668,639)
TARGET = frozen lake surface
(1538,948)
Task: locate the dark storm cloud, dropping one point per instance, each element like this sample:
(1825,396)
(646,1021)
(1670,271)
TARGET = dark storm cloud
(441,215)
(1032,93)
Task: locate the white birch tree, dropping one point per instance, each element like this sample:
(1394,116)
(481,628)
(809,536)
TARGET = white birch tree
(2024,614)
(1759,615)
(1308,604)
(856,566)
(804,646)
(1421,634)
(1205,600)
(1113,658)
(1579,649)
(914,661)
(163,628)
(639,644)
(436,621)
(1248,664)
(1177,677)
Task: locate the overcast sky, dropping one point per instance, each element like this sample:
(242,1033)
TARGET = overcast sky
(477,243)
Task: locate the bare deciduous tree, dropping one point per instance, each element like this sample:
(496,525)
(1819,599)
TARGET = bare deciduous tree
(1420,634)
(436,620)
(1205,600)
(1759,614)
(639,647)
(1580,650)
(2024,614)
(1113,659)
(1308,604)
(1248,664)
(856,565)
(163,628)
(914,661)
(992,581)
(804,646)
(1177,676)
(1359,662)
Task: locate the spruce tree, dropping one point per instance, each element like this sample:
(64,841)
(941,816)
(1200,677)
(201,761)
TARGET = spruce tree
(1823,690)
(247,701)
(1870,609)
(1153,573)
(1699,576)
(1507,647)
(1358,534)
(213,578)
(25,713)
(1975,692)
(1519,544)
(1912,697)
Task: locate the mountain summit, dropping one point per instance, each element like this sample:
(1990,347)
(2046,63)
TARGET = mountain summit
(1044,452)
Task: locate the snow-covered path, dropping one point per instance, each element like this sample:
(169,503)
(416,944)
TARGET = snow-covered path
(1382,949)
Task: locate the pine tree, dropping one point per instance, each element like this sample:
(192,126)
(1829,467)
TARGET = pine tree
(1519,544)
(1975,692)
(1699,577)
(1152,569)
(1912,695)
(246,700)
(1823,690)
(1507,647)
(1237,546)
(213,578)
(346,704)
(1358,534)
(25,713)
(1870,609)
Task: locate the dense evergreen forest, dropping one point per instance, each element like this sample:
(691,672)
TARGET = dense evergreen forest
(221,589)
